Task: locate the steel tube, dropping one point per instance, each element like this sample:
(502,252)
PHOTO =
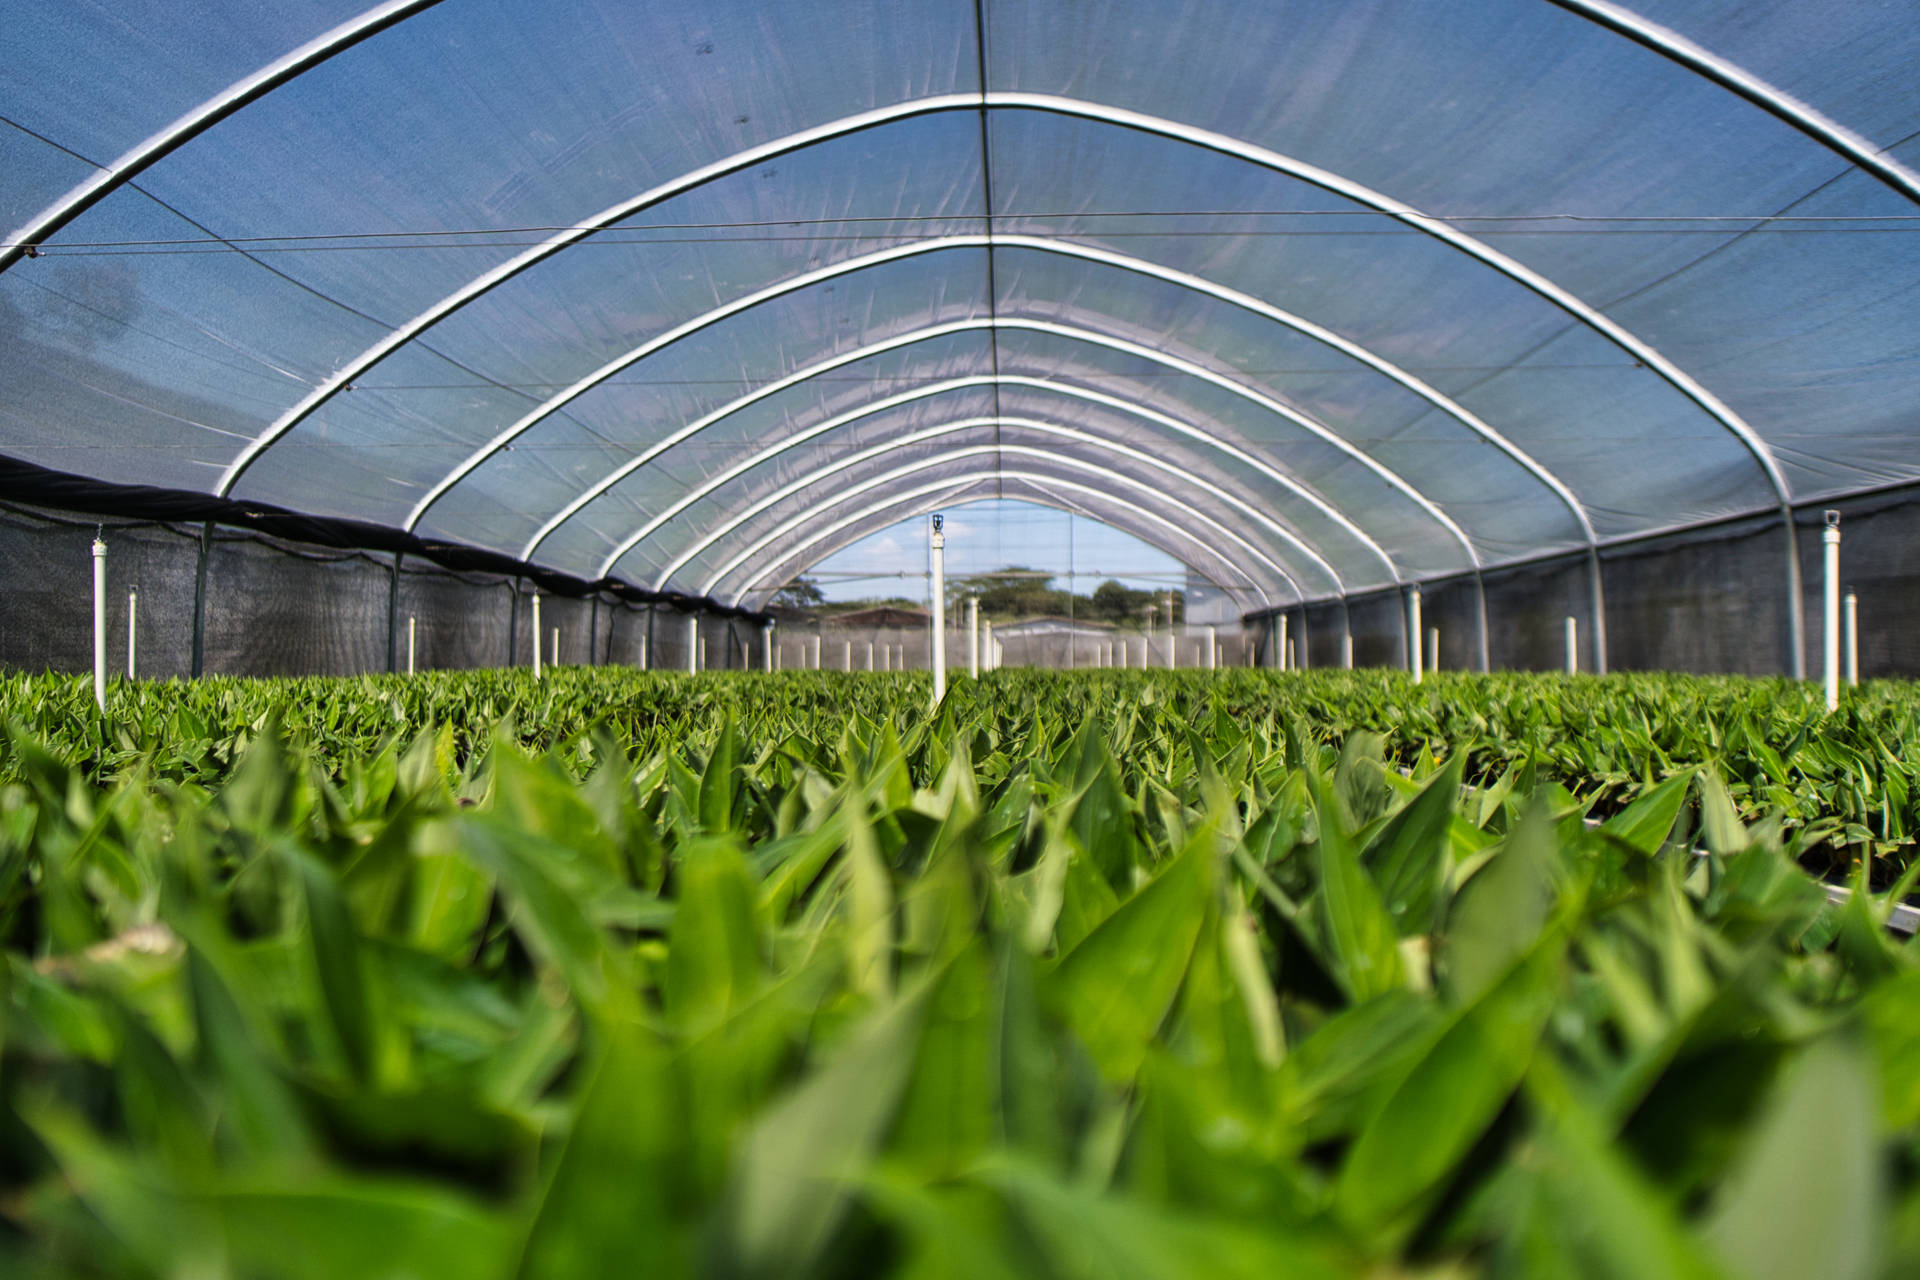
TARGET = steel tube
(133,613)
(536,635)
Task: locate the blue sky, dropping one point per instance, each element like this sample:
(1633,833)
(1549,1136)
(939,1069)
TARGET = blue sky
(992,535)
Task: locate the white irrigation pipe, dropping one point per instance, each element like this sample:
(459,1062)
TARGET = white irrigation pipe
(1573,645)
(973,636)
(133,614)
(410,635)
(693,644)
(100,621)
(937,568)
(1853,640)
(536,635)
(1414,634)
(1830,618)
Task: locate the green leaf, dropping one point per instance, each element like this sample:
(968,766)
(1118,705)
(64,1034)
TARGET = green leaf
(1117,986)
(1647,822)
(1360,936)
(1452,1094)
(1808,1196)
(1408,855)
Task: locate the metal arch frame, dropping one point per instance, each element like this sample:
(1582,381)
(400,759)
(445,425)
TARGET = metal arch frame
(1059,105)
(1105,474)
(1039,481)
(1041,496)
(969,382)
(983,324)
(1038,244)
(1125,347)
(763,503)
(131,163)
(1736,79)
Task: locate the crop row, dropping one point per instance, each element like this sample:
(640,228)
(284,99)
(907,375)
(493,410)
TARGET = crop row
(1104,976)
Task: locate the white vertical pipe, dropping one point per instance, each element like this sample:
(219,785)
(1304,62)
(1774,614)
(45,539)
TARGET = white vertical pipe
(1213,653)
(703,654)
(937,552)
(1433,648)
(1172,657)
(410,635)
(1282,647)
(133,629)
(1853,640)
(900,657)
(1414,632)
(1573,645)
(1346,649)
(869,655)
(100,621)
(1830,540)
(766,646)
(693,643)
(886,657)
(1292,663)
(973,636)
(556,646)
(846,655)
(643,654)
(816,653)
(536,635)
(779,656)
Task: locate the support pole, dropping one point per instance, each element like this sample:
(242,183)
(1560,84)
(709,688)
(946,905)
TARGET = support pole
(1290,657)
(535,633)
(1573,645)
(693,644)
(1830,615)
(846,655)
(973,636)
(99,621)
(133,629)
(1480,610)
(593,634)
(816,653)
(1853,641)
(1281,645)
(1433,648)
(1346,635)
(556,647)
(704,664)
(1172,657)
(1414,633)
(410,637)
(766,646)
(200,600)
(1796,601)
(393,614)
(993,654)
(1213,653)
(886,657)
(869,655)
(1597,606)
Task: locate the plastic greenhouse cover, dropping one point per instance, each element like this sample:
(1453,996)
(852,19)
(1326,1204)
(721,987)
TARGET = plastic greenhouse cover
(1329,296)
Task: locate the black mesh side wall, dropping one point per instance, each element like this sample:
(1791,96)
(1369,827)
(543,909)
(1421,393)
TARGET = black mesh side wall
(627,636)
(460,620)
(1527,609)
(1379,630)
(1325,623)
(1453,609)
(46,594)
(1710,601)
(272,610)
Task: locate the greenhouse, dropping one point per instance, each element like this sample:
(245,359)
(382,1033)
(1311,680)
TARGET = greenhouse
(978,638)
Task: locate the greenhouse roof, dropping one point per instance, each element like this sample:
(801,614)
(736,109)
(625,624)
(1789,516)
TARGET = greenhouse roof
(1319,297)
